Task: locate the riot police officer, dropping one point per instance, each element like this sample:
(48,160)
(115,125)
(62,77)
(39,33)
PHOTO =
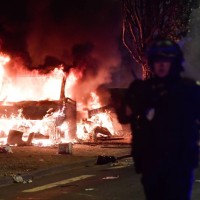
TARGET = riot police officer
(163,112)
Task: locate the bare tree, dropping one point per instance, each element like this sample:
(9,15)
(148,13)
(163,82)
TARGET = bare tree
(145,20)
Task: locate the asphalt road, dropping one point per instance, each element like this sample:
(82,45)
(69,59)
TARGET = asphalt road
(85,182)
(81,182)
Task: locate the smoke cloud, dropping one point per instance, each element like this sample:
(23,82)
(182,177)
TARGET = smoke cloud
(81,33)
(192,47)
(58,26)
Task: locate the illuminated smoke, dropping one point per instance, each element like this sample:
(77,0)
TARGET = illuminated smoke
(80,34)
(56,26)
(192,47)
(83,34)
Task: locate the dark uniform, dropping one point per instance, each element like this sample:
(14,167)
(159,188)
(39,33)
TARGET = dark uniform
(165,126)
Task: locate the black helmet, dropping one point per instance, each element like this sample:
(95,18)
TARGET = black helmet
(165,49)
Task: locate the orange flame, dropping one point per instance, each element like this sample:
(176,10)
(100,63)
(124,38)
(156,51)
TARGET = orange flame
(85,129)
(72,78)
(31,85)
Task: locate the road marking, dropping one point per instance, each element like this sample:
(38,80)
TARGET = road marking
(118,167)
(55,184)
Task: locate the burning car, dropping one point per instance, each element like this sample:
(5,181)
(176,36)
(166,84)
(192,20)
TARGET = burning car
(34,108)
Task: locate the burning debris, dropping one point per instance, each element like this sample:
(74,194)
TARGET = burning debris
(38,109)
(5,149)
(37,128)
(33,105)
(15,138)
(100,122)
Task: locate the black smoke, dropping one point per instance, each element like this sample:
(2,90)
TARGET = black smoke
(35,29)
(82,34)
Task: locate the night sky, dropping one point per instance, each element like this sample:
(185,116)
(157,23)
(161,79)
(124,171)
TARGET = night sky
(62,29)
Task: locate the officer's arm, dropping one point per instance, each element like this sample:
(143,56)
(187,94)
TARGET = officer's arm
(127,110)
(124,114)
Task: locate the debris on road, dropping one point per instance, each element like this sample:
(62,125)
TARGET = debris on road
(17,179)
(110,177)
(27,181)
(5,149)
(126,163)
(65,148)
(89,189)
(20,179)
(101,160)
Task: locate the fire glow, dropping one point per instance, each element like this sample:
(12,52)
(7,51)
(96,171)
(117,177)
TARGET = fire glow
(35,87)
(98,125)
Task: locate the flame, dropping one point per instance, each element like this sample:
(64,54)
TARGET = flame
(72,78)
(94,101)
(26,86)
(85,128)
(33,86)
(4,59)
(47,127)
